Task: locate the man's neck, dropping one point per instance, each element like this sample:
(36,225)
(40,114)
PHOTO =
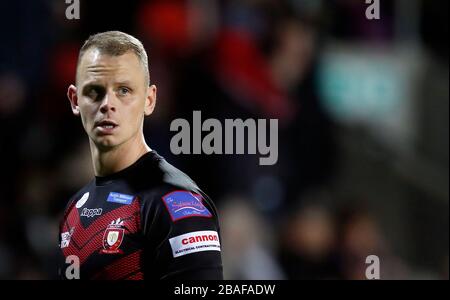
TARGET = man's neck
(116,159)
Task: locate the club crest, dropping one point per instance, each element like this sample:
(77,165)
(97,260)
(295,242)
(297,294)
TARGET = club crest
(113,237)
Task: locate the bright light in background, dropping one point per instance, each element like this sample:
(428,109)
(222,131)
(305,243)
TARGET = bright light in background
(374,88)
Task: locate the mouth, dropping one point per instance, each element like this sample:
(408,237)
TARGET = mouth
(106,126)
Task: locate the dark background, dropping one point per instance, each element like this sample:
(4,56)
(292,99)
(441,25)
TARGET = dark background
(363,138)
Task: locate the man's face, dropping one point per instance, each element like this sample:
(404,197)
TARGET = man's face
(112,97)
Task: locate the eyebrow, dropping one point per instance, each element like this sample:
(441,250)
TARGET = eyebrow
(92,82)
(91,85)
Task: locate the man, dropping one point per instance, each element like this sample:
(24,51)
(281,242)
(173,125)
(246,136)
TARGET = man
(140,217)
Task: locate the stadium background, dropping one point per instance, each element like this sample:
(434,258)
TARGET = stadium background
(363,138)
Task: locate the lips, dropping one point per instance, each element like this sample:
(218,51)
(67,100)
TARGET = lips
(106,126)
(106,123)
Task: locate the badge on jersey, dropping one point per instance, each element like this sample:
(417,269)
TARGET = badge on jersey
(82,200)
(184,204)
(65,238)
(120,198)
(113,237)
(192,242)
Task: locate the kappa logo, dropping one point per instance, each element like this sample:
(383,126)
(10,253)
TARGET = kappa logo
(82,200)
(113,237)
(65,238)
(91,212)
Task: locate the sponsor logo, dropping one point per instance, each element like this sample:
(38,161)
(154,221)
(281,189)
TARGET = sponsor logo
(113,237)
(183,204)
(82,200)
(91,212)
(193,242)
(65,238)
(120,198)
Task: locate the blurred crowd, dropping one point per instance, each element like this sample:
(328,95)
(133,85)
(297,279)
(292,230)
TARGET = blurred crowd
(344,188)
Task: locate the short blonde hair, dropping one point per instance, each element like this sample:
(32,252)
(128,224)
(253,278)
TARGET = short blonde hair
(116,43)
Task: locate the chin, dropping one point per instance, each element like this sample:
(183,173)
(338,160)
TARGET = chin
(106,142)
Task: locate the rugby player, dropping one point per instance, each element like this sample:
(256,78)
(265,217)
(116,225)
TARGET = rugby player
(140,217)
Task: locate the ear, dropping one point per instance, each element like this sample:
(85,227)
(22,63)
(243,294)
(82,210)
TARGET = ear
(73,98)
(150,101)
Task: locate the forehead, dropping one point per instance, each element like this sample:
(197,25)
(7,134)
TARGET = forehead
(95,65)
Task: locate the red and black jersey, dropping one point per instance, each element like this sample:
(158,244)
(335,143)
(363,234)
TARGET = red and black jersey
(148,221)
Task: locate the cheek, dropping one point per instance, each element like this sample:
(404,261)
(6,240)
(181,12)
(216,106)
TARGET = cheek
(136,112)
(87,115)
(137,119)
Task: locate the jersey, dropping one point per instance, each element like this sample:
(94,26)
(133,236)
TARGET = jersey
(148,221)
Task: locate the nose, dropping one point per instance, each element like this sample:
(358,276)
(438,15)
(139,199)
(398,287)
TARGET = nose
(108,103)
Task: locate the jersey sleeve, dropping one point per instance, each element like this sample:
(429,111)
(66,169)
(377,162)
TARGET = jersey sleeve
(182,236)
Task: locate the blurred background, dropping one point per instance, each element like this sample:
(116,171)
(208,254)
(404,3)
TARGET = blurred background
(363,128)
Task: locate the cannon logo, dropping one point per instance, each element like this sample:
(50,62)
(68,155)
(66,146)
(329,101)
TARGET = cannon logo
(192,242)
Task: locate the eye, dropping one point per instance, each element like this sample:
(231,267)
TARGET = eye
(123,91)
(94,93)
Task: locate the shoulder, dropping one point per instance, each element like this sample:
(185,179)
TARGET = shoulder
(172,176)
(176,200)
(80,196)
(77,199)
(181,226)
(167,185)
(169,197)
(179,204)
